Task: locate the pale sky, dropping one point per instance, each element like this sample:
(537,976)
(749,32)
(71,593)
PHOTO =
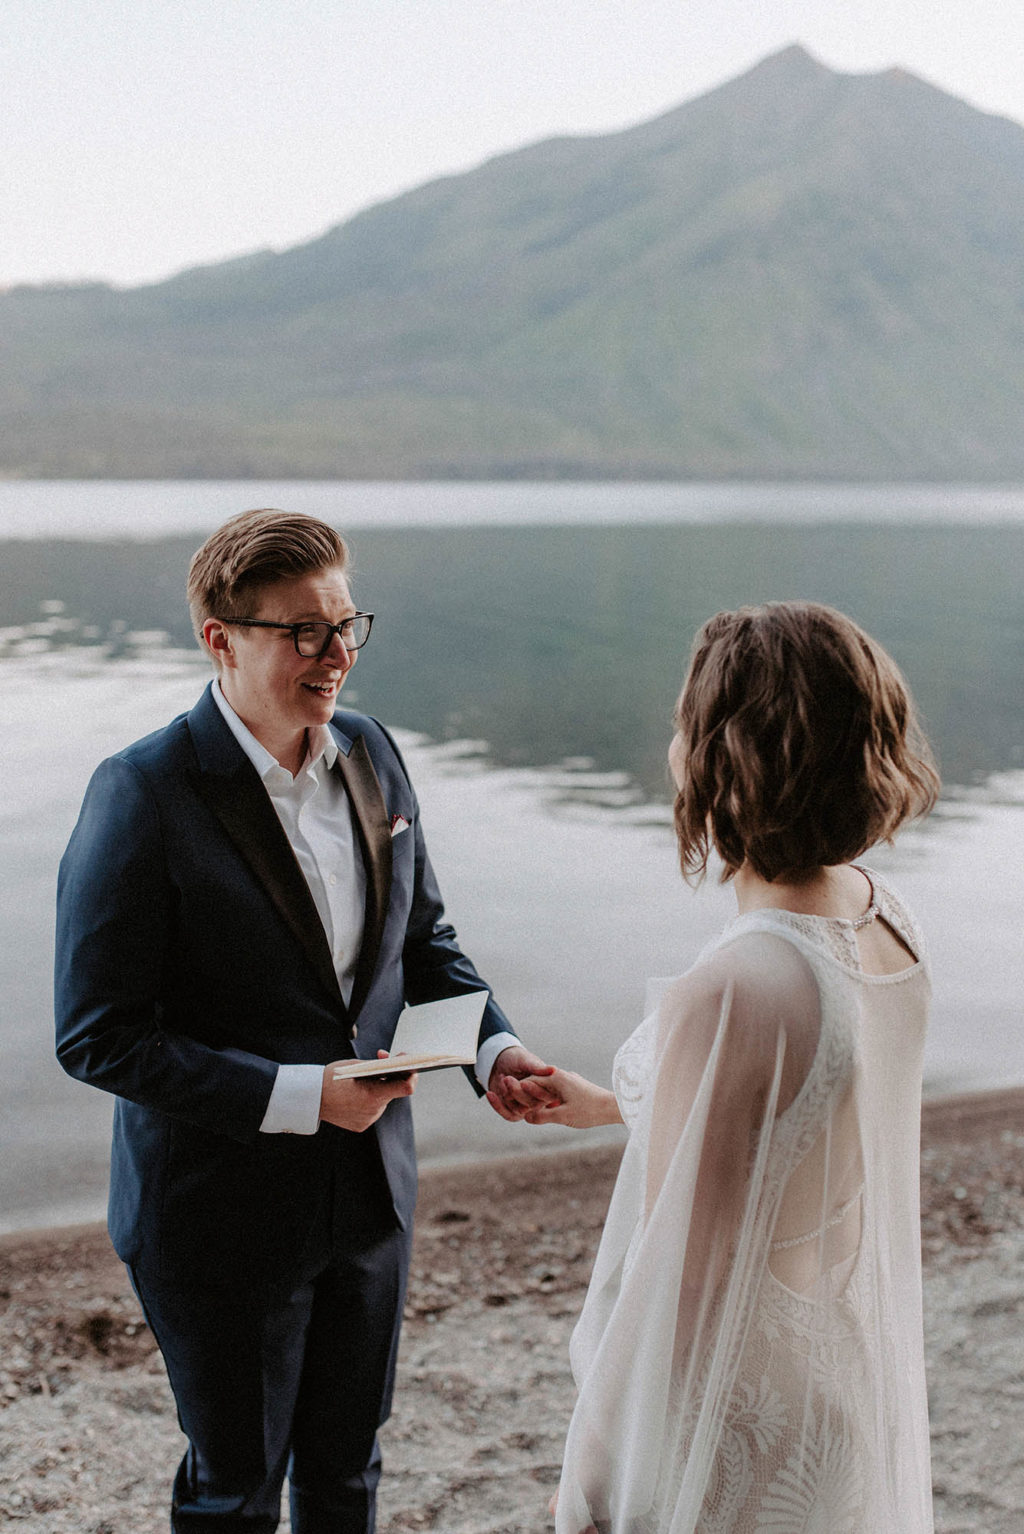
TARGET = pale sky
(144,136)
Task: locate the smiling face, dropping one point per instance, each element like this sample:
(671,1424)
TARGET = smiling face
(276,693)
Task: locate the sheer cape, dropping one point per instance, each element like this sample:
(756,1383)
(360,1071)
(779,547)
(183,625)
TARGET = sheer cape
(749,1358)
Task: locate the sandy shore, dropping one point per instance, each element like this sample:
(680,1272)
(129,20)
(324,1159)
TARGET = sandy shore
(88,1437)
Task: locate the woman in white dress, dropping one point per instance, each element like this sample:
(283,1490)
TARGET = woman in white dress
(749,1358)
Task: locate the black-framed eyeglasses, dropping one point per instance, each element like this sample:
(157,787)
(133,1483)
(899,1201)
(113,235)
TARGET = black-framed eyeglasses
(312,639)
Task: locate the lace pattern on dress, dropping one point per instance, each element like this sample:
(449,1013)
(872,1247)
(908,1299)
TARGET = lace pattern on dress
(837,938)
(633,1068)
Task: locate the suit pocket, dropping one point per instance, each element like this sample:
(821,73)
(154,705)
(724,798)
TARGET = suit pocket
(232,1210)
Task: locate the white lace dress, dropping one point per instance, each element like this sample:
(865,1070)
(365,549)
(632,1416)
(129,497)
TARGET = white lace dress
(750,1354)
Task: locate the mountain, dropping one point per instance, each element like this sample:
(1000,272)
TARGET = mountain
(801,273)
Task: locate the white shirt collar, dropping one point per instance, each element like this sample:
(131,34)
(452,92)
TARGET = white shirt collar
(320,742)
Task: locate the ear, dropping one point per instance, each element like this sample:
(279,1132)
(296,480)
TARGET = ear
(217,639)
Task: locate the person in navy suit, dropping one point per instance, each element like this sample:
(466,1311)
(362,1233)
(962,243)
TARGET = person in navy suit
(245,901)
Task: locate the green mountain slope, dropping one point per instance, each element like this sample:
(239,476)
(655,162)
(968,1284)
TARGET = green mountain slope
(799,274)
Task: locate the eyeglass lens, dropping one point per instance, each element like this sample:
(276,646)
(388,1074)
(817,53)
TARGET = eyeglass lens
(313,639)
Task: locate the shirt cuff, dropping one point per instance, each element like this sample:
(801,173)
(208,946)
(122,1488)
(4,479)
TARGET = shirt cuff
(489,1051)
(294,1106)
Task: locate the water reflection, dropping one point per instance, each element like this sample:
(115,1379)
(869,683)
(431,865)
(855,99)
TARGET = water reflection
(567,645)
(54,630)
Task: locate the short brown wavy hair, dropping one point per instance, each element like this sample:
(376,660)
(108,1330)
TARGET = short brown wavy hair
(253,550)
(799,744)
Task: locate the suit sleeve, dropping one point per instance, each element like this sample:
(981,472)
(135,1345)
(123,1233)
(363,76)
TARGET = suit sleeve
(116,916)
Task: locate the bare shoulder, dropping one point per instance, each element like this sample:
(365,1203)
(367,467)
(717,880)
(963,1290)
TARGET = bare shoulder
(755,958)
(756,976)
(752,996)
(691,1008)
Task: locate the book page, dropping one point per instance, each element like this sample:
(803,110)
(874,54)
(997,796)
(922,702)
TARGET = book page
(428,1037)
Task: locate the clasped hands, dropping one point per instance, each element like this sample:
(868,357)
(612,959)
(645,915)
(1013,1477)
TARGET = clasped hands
(521,1087)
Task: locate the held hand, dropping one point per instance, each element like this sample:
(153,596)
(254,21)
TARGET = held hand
(574,1101)
(518,1083)
(356,1104)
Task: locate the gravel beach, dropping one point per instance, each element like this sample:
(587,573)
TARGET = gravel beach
(89,1440)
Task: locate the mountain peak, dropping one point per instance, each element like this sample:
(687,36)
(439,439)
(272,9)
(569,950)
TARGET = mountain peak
(789,69)
(794,56)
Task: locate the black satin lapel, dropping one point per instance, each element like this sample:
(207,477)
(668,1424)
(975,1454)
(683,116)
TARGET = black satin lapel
(243,808)
(367,798)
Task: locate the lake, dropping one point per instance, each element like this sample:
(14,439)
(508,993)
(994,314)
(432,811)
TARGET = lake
(529,644)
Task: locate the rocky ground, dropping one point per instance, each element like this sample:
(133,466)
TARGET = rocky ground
(88,1438)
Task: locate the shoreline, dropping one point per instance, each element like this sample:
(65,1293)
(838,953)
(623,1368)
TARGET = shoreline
(501,1260)
(969,1111)
(944,1116)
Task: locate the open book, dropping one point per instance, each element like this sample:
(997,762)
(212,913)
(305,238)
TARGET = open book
(428,1038)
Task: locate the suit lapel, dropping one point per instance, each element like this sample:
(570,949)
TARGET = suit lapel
(367,798)
(229,784)
(243,808)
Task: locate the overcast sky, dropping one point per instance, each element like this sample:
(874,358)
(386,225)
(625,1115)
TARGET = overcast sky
(143,136)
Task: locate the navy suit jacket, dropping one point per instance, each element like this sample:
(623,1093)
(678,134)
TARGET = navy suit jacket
(191,960)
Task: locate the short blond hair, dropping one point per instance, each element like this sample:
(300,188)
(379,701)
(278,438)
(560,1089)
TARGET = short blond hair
(801,746)
(253,550)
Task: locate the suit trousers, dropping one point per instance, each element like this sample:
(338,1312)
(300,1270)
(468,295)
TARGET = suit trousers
(285,1380)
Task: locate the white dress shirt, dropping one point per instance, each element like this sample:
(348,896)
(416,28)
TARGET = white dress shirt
(316,815)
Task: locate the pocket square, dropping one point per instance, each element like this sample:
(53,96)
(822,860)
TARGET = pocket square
(398,824)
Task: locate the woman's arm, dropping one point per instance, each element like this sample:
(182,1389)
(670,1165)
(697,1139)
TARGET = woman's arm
(579,1104)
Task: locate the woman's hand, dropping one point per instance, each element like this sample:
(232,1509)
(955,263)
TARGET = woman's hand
(575,1102)
(553,1509)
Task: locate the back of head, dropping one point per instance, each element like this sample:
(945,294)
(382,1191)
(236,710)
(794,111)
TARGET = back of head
(252,551)
(800,746)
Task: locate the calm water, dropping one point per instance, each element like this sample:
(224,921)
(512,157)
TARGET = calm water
(531,666)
